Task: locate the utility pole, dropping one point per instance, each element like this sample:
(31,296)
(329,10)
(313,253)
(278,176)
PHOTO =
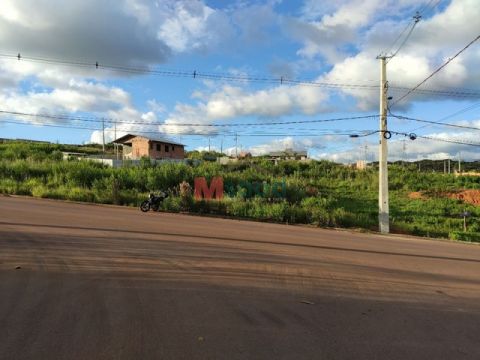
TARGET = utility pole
(449,166)
(103,137)
(444,166)
(366,155)
(209,144)
(236,145)
(459,163)
(115,137)
(383,208)
(221,146)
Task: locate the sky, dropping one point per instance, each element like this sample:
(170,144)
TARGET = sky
(276,71)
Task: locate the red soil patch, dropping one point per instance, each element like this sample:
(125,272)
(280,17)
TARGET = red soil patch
(468,196)
(416,195)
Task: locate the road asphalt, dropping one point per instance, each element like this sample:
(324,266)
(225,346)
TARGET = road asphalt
(80,281)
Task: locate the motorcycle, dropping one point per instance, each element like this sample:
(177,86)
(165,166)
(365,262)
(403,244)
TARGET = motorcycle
(153,202)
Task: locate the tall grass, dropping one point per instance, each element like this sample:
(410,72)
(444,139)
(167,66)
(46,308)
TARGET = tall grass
(319,193)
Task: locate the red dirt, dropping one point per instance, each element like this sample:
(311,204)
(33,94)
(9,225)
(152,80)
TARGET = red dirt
(468,196)
(416,195)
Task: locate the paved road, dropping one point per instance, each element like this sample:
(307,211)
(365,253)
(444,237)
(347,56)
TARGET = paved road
(99,282)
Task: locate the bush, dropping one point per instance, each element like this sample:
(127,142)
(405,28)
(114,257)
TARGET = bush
(465,236)
(186,198)
(317,211)
(342,218)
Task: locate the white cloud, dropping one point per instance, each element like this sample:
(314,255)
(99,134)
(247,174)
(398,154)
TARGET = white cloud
(80,30)
(132,33)
(77,97)
(255,21)
(207,148)
(233,102)
(187,26)
(332,29)
(407,150)
(296,144)
(432,42)
(73,97)
(130,121)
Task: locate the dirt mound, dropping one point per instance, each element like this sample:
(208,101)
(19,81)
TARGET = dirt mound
(468,196)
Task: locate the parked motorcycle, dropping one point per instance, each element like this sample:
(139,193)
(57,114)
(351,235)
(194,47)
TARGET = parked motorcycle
(153,202)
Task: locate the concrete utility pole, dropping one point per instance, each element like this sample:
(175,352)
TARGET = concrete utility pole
(115,137)
(236,145)
(459,163)
(366,155)
(383,208)
(449,166)
(103,136)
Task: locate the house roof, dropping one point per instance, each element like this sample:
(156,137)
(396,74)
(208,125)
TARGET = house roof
(126,139)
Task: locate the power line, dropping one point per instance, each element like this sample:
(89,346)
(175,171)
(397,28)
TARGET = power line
(436,122)
(188,74)
(411,24)
(448,140)
(228,77)
(436,71)
(460,93)
(461,111)
(398,37)
(312,132)
(412,136)
(99,120)
(424,11)
(352,134)
(416,19)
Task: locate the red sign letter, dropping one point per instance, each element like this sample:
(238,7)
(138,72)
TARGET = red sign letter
(203,191)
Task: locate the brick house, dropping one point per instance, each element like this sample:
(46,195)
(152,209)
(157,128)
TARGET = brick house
(136,146)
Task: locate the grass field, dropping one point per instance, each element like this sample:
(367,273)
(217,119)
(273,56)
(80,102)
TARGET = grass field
(320,192)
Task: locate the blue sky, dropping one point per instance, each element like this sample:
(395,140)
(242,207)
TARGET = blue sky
(325,42)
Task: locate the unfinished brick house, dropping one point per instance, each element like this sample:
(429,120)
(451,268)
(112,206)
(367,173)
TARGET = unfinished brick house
(136,146)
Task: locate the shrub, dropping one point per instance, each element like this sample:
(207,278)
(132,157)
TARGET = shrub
(172,203)
(186,198)
(465,236)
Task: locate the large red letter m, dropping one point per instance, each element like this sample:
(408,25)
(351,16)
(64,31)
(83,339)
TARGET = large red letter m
(202,191)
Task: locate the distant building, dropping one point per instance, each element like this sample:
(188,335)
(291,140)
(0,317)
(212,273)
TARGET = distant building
(244,155)
(361,165)
(288,154)
(137,146)
(67,155)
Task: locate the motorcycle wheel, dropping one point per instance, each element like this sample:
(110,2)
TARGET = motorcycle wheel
(145,206)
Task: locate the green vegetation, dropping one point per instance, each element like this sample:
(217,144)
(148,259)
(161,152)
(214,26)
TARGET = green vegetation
(465,236)
(321,193)
(203,155)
